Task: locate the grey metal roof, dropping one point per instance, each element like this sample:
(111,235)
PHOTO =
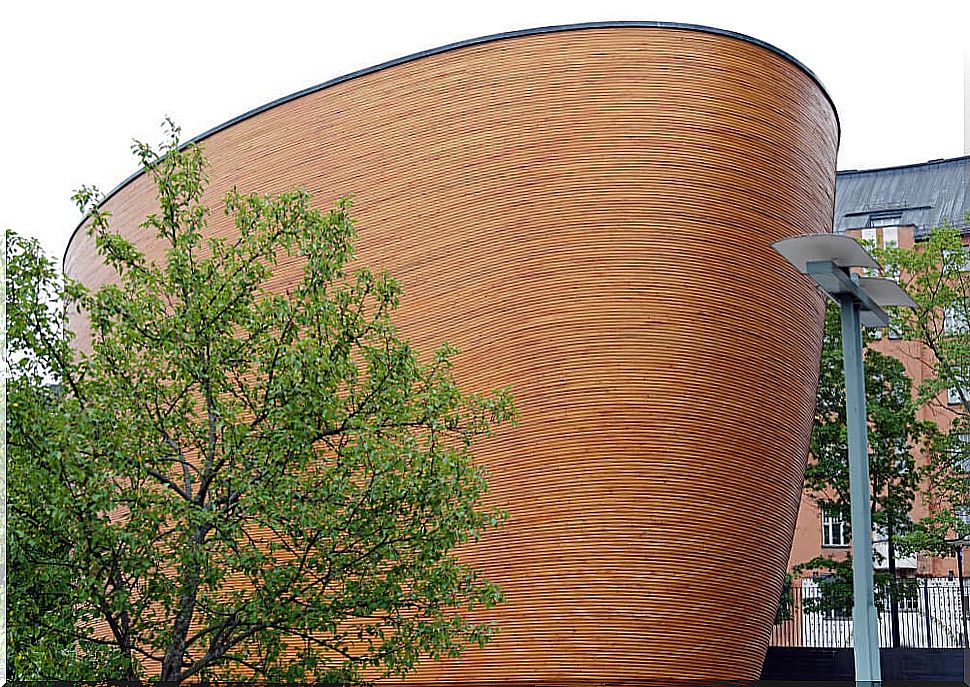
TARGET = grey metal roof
(925,195)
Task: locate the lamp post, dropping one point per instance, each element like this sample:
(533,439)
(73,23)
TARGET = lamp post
(827,259)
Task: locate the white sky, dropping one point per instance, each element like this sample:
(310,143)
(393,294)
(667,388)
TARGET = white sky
(79,81)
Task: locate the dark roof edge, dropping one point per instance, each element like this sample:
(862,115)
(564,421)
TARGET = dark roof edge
(478,41)
(940,161)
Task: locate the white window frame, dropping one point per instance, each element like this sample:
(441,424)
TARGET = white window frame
(890,220)
(834,524)
(907,603)
(954,322)
(869,237)
(890,237)
(965,463)
(964,259)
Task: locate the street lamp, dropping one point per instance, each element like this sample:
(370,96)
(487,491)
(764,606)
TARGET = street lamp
(827,258)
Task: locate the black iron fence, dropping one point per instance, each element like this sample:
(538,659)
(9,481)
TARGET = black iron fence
(819,614)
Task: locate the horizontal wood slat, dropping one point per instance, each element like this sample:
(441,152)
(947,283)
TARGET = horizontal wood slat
(587,216)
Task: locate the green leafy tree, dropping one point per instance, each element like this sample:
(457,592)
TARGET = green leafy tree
(41,592)
(894,433)
(228,480)
(835,591)
(936,273)
(895,430)
(786,602)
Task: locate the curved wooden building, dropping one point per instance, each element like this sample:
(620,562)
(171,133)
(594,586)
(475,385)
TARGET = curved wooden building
(586,212)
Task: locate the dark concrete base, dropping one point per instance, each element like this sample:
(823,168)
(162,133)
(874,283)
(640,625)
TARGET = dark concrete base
(822,666)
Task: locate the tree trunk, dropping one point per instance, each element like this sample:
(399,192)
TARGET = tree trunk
(893,596)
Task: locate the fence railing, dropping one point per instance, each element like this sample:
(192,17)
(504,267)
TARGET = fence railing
(930,615)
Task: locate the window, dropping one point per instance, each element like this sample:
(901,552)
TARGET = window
(954,321)
(907,596)
(869,240)
(835,531)
(962,454)
(842,611)
(890,237)
(885,219)
(832,598)
(957,261)
(959,379)
(908,601)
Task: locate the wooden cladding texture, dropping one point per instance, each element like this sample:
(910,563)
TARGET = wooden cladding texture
(587,215)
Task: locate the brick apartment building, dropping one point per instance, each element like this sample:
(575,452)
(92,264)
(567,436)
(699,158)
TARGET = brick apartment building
(895,205)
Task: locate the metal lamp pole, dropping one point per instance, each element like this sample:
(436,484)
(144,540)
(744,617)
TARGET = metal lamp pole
(827,259)
(865,619)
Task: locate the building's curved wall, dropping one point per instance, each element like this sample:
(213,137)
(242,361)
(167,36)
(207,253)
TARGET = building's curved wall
(587,215)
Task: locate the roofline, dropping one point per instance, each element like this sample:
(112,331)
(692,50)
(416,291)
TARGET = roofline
(939,161)
(478,41)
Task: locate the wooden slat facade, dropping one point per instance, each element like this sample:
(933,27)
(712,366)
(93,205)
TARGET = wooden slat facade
(586,215)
